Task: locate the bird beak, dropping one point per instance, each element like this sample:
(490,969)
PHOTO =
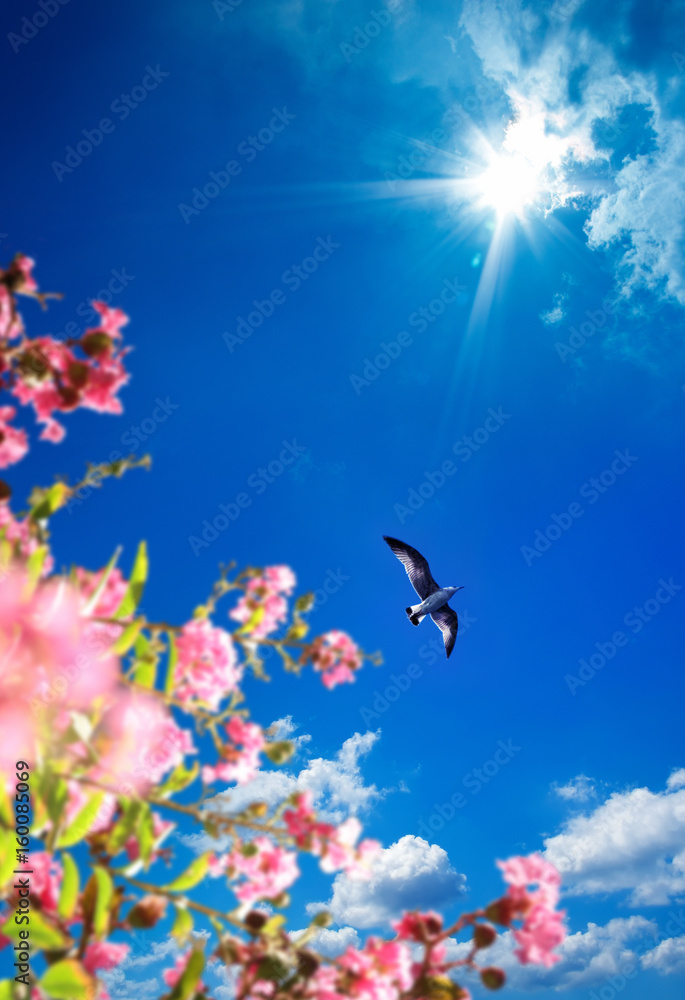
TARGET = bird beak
(460,588)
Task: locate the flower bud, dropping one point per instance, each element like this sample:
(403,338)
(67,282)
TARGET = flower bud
(483,935)
(255,920)
(5,491)
(501,911)
(78,373)
(96,343)
(147,911)
(493,978)
(69,397)
(439,988)
(307,963)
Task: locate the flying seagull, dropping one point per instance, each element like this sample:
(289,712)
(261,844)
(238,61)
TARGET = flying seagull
(433,598)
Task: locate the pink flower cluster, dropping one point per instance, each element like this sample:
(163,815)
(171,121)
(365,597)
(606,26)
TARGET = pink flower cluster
(47,373)
(335,846)
(263,606)
(49,652)
(268,870)
(104,955)
(239,765)
(207,669)
(46,880)
(336,655)
(382,970)
(543,927)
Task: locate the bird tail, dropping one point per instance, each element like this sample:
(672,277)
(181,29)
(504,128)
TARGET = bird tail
(412,616)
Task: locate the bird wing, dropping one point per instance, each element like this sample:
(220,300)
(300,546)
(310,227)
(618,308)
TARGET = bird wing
(416,566)
(448,623)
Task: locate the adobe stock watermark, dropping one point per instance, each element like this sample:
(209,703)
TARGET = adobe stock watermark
(635,620)
(248,148)
(465,447)
(30,26)
(292,278)
(132,439)
(399,684)
(473,781)
(222,9)
(596,320)
(420,319)
(257,482)
(591,490)
(363,35)
(121,106)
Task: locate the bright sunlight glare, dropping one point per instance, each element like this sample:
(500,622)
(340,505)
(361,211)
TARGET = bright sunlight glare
(508,185)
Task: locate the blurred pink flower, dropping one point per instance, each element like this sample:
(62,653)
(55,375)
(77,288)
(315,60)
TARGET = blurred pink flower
(268,872)
(240,765)
(13,440)
(543,928)
(46,880)
(104,955)
(336,655)
(207,668)
(335,846)
(264,604)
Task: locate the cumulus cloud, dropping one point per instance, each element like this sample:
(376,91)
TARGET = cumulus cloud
(410,873)
(330,941)
(632,842)
(637,209)
(668,958)
(588,958)
(578,789)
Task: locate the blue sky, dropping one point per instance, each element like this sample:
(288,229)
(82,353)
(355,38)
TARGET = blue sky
(556,345)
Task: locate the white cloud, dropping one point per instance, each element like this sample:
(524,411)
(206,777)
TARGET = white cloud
(578,789)
(555,315)
(638,209)
(667,958)
(410,873)
(676,779)
(337,785)
(587,959)
(631,842)
(285,729)
(330,941)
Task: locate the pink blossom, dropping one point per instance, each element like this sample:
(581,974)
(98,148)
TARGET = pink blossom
(13,441)
(172,976)
(335,846)
(142,742)
(543,928)
(239,766)
(336,655)
(112,594)
(46,880)
(112,319)
(207,668)
(418,926)
(381,971)
(46,654)
(263,607)
(268,870)
(103,955)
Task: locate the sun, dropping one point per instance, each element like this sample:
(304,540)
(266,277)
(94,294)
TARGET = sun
(509,185)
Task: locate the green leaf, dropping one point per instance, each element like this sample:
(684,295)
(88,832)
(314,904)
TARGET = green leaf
(55,795)
(136,584)
(35,564)
(103,900)
(68,894)
(125,826)
(145,673)
(187,984)
(50,501)
(67,980)
(279,752)
(6,989)
(273,924)
(82,823)
(183,924)
(195,872)
(171,663)
(102,583)
(146,835)
(43,934)
(179,779)
(128,637)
